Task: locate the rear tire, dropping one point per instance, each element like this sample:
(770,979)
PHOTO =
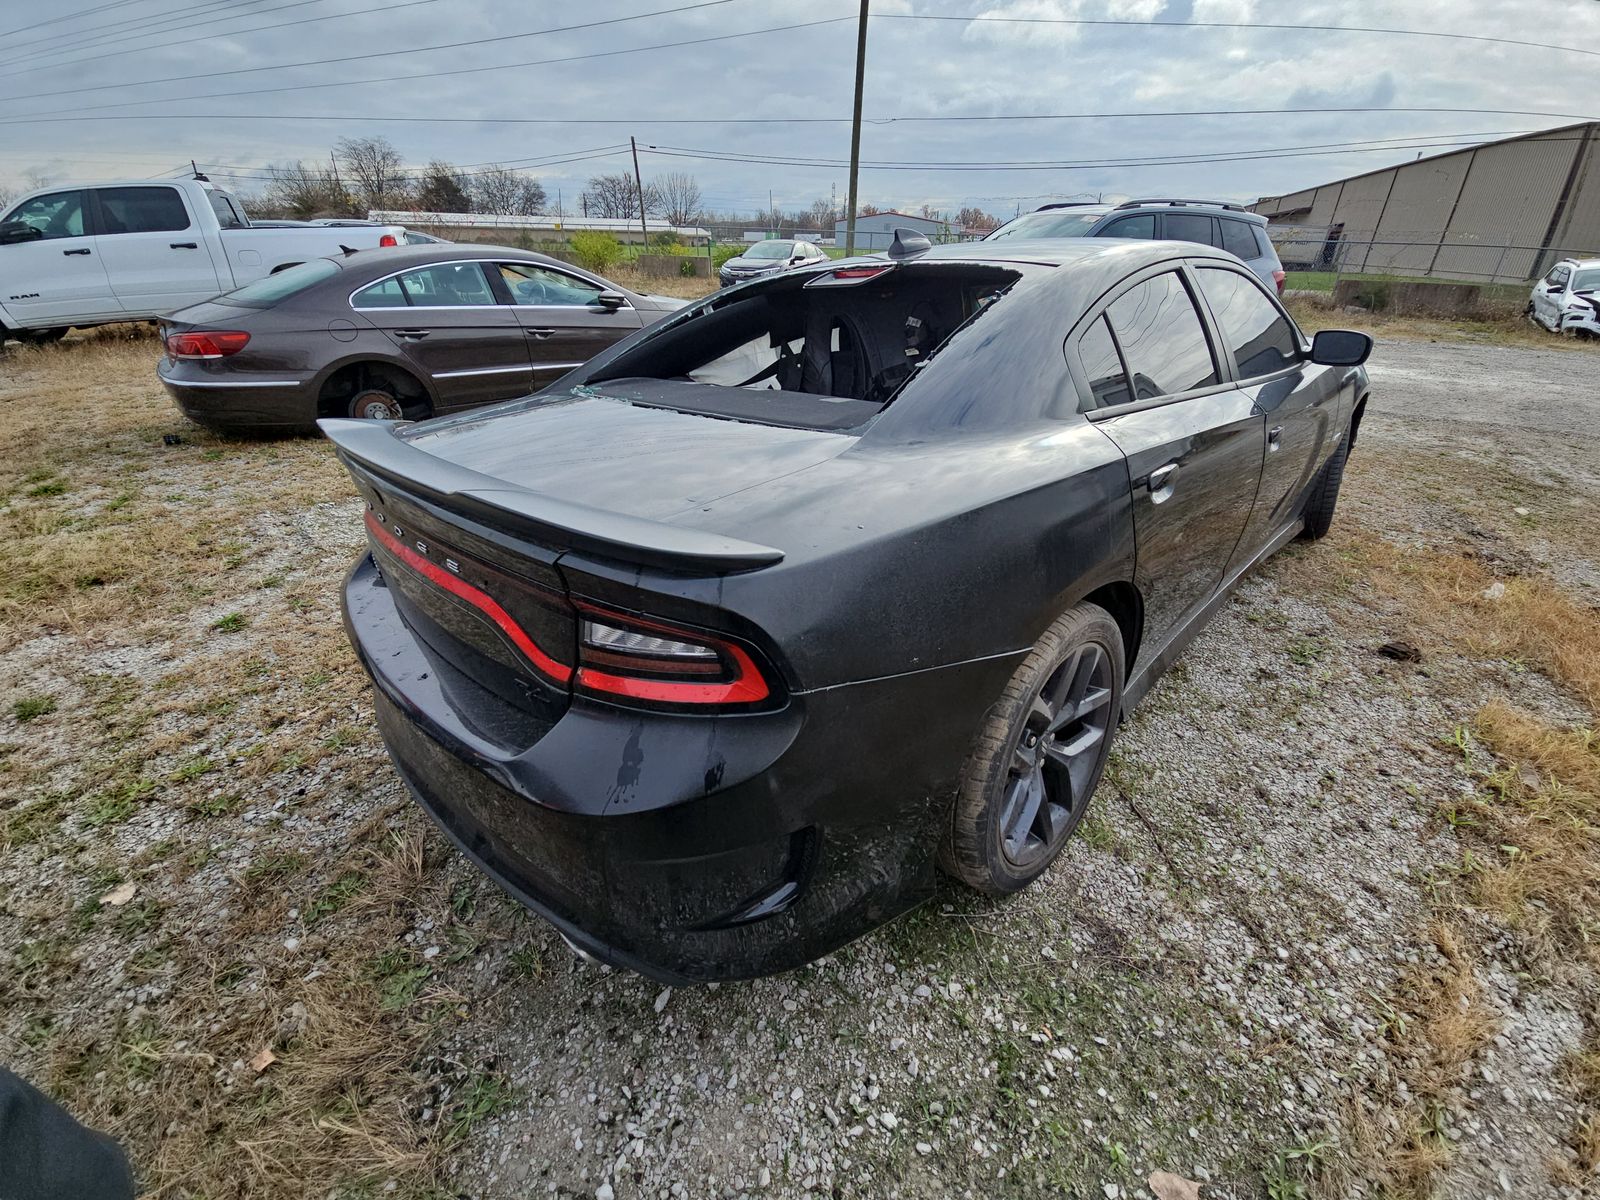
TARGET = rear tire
(1324,495)
(1039,756)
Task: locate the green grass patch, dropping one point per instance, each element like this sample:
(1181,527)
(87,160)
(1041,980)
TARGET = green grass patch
(232,623)
(31,707)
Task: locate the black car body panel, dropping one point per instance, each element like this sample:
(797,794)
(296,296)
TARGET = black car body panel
(885,564)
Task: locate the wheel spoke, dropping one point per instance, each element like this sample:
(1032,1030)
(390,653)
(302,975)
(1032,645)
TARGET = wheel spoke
(1022,807)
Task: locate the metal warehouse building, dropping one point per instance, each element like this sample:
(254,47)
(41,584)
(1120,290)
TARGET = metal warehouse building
(1498,212)
(876,231)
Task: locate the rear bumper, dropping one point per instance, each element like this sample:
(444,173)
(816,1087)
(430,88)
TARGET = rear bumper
(684,848)
(240,405)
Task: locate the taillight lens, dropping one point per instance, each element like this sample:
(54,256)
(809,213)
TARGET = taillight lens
(388,239)
(621,657)
(216,343)
(637,659)
(1277,281)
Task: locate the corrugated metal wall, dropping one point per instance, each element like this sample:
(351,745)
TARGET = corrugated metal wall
(1490,213)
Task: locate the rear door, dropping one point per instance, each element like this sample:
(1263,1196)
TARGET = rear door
(153,248)
(1192,440)
(58,278)
(1300,401)
(562,318)
(448,324)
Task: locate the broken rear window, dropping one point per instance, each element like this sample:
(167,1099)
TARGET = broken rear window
(817,350)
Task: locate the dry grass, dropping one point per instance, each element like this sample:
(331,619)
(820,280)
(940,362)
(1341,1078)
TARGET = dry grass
(227,767)
(1501,328)
(1452,601)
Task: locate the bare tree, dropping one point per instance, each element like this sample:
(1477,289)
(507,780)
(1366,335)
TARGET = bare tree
(7,195)
(820,214)
(443,189)
(976,218)
(302,191)
(33,178)
(680,197)
(868,210)
(618,196)
(502,192)
(370,171)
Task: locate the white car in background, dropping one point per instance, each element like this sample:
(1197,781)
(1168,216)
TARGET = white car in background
(91,254)
(1567,300)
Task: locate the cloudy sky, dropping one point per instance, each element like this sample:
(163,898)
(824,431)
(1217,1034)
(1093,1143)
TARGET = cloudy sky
(97,89)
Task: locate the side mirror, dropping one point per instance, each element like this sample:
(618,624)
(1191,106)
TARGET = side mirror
(18,231)
(611,301)
(1340,348)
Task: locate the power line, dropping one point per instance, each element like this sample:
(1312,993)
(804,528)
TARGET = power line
(1081,165)
(115,29)
(186,23)
(980,21)
(350,58)
(538,62)
(73,16)
(1408,141)
(352,118)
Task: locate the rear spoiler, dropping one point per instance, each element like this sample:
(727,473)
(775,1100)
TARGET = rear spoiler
(375,447)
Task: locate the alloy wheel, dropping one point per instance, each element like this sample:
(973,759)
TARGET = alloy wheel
(1057,756)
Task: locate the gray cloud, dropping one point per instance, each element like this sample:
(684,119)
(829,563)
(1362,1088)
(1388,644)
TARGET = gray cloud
(914,68)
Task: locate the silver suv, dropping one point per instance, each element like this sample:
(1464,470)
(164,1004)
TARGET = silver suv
(1209,222)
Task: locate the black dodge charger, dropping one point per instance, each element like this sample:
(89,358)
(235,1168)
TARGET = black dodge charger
(712,653)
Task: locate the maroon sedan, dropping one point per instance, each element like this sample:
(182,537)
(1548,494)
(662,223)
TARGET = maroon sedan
(407,332)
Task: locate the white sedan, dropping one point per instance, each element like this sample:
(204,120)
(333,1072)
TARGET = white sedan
(1567,300)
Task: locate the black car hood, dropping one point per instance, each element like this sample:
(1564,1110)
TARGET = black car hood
(757,264)
(610,454)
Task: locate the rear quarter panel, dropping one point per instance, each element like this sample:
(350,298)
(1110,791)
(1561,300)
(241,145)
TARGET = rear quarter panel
(910,558)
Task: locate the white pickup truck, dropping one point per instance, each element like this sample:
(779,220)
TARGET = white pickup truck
(130,251)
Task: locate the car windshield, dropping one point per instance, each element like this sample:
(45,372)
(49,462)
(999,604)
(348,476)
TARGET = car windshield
(770,250)
(1052,223)
(1587,280)
(270,289)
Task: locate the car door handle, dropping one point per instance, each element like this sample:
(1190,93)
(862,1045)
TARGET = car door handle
(1161,480)
(1275,438)
(541,333)
(184,245)
(85,250)
(412,335)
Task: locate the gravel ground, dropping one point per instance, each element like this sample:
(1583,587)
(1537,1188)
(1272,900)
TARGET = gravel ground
(1193,987)
(1202,985)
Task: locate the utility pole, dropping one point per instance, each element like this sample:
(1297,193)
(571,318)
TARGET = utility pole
(338,184)
(855,129)
(639,183)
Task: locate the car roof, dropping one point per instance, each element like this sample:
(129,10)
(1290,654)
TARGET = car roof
(1216,208)
(1580,263)
(384,259)
(1124,254)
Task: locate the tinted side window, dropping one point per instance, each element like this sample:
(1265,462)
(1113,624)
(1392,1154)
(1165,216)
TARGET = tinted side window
(1102,365)
(539,285)
(1142,226)
(385,293)
(1263,242)
(56,215)
(1162,337)
(1236,238)
(1190,227)
(1262,341)
(141,210)
(456,285)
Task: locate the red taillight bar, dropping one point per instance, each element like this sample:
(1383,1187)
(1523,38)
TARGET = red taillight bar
(1277,279)
(748,685)
(479,599)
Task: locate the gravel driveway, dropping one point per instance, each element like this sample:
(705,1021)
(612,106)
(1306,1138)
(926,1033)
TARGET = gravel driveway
(1212,982)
